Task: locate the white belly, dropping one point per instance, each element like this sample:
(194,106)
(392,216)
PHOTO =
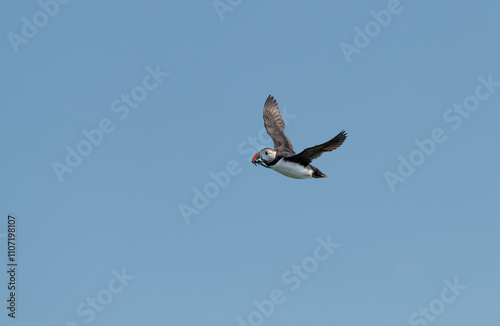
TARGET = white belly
(292,170)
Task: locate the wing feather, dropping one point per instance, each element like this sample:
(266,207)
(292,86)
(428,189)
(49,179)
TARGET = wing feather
(275,126)
(307,155)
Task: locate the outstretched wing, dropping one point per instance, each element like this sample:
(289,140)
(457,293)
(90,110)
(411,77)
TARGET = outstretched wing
(275,126)
(307,155)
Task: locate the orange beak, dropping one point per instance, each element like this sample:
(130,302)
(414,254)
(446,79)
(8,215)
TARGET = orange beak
(256,158)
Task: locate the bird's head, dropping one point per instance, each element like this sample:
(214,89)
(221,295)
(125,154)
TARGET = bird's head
(266,155)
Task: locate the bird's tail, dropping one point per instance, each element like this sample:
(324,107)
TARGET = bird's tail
(317,173)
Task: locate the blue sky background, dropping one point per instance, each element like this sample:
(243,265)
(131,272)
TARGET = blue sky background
(120,207)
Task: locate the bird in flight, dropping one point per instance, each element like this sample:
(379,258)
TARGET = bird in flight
(282,158)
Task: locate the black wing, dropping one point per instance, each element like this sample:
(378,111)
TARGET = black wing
(307,155)
(275,126)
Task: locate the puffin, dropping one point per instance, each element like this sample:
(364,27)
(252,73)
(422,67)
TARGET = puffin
(282,158)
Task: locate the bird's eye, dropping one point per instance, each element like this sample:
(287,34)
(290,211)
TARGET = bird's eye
(265,153)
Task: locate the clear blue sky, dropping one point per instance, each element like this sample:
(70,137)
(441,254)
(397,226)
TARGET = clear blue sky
(117,115)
